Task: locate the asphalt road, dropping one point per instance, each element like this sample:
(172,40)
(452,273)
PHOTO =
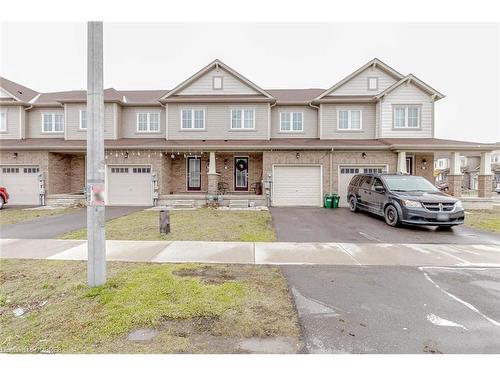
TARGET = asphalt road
(394,309)
(340,225)
(53,226)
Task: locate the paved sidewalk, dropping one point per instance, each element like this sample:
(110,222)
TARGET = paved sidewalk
(364,254)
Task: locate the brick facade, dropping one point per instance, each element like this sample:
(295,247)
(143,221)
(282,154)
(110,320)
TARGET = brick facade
(425,169)
(484,183)
(455,185)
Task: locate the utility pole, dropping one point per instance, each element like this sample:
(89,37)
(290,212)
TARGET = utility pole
(96,238)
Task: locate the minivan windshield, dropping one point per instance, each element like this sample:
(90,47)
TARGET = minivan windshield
(409,183)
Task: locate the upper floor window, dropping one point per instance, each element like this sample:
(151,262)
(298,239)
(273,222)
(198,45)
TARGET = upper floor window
(406,117)
(372,83)
(148,122)
(83,119)
(242,118)
(52,123)
(349,119)
(3,121)
(217,83)
(291,121)
(193,119)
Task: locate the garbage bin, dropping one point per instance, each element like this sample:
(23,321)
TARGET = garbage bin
(328,201)
(335,201)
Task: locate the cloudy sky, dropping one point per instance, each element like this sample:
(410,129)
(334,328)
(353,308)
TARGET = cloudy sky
(460,60)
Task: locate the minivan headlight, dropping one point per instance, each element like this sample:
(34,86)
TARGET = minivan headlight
(411,204)
(459,205)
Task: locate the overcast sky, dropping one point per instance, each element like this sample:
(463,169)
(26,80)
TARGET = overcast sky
(460,60)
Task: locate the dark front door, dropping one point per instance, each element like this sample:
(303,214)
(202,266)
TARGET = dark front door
(193,174)
(409,164)
(241,174)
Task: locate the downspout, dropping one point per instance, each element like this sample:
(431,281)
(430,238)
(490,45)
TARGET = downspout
(319,118)
(331,171)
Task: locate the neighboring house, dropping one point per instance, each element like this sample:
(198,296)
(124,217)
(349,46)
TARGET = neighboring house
(469,166)
(219,133)
(495,167)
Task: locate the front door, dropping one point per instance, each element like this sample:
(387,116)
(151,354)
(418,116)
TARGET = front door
(240,173)
(409,164)
(193,174)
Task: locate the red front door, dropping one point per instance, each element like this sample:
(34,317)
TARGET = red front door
(241,173)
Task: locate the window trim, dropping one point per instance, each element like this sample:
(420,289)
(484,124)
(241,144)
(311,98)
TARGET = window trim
(368,83)
(148,123)
(86,120)
(406,107)
(192,128)
(53,114)
(221,83)
(6,128)
(349,124)
(242,109)
(291,122)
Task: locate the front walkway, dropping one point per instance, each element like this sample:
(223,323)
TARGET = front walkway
(331,253)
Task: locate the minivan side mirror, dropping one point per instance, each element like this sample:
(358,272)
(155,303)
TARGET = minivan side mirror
(379,188)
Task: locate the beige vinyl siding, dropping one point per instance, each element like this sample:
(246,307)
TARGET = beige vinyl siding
(14,118)
(411,95)
(329,113)
(72,121)
(129,122)
(34,123)
(310,122)
(118,120)
(359,84)
(218,122)
(231,85)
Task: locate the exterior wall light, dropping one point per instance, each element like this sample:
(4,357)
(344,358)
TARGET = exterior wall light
(297,155)
(363,155)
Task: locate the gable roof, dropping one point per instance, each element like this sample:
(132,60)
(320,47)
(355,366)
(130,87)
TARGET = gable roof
(215,64)
(375,63)
(410,78)
(19,92)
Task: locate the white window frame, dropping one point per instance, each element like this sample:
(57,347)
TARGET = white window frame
(292,130)
(406,118)
(53,115)
(349,122)
(3,122)
(368,84)
(148,122)
(80,127)
(192,128)
(214,78)
(242,118)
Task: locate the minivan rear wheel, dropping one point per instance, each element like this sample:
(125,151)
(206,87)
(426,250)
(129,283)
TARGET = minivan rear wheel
(353,204)
(391,216)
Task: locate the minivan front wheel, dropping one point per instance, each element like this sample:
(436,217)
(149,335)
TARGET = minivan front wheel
(353,204)
(391,216)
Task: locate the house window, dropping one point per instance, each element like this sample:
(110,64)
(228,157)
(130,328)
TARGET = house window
(3,121)
(31,170)
(10,170)
(349,119)
(372,83)
(217,83)
(193,119)
(119,170)
(148,122)
(83,119)
(141,170)
(291,122)
(406,117)
(242,118)
(52,123)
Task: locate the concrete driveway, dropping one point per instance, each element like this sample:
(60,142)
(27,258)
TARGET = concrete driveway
(340,225)
(384,309)
(53,226)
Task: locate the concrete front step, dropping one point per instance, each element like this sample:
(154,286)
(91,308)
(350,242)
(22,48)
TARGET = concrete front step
(183,204)
(238,203)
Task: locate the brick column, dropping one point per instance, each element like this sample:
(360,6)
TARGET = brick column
(213,176)
(455,185)
(484,184)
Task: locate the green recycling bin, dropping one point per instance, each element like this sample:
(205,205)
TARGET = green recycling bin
(335,201)
(328,200)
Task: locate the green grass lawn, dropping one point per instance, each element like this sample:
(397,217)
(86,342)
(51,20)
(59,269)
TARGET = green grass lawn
(483,219)
(205,224)
(17,215)
(193,308)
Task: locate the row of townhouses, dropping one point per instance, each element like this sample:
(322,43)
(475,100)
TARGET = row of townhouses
(218,134)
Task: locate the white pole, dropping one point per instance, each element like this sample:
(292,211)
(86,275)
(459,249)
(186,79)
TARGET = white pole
(96,240)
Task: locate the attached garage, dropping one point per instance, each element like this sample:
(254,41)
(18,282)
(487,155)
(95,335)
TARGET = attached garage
(297,185)
(347,172)
(129,185)
(21,182)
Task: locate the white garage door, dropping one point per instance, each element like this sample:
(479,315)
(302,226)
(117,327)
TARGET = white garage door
(129,185)
(21,182)
(347,173)
(295,185)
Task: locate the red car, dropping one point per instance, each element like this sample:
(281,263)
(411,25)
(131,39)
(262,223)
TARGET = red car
(4,196)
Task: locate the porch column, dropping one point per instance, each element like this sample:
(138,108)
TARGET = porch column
(401,168)
(455,175)
(485,177)
(213,176)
